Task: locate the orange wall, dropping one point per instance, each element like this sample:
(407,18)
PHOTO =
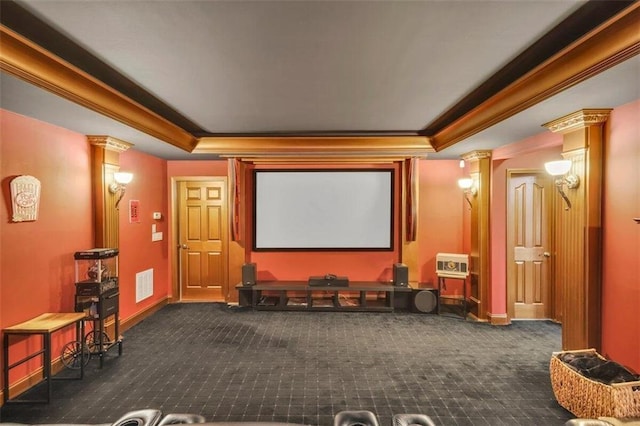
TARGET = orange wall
(37,272)
(621,239)
(621,236)
(441,215)
(197,168)
(440,201)
(137,252)
(515,156)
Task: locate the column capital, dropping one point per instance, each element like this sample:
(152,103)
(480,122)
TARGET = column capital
(578,120)
(109,143)
(476,155)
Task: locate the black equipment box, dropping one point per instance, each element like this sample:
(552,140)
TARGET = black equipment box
(326,281)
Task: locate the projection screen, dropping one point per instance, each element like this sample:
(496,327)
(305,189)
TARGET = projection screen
(323,209)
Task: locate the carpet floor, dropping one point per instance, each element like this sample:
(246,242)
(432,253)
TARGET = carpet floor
(234,364)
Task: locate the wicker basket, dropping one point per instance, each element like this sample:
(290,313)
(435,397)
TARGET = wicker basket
(589,398)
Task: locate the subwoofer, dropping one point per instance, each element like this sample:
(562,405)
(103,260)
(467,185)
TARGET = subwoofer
(425,301)
(400,275)
(249,274)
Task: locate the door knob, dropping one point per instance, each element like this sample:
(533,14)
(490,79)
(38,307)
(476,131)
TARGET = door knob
(546,254)
(183,246)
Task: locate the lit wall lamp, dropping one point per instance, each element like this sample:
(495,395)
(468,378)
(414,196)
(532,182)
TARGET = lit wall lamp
(466,184)
(121,179)
(560,169)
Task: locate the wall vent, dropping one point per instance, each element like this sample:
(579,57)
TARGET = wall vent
(144,285)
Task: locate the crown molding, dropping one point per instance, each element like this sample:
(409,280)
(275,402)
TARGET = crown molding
(314,147)
(30,62)
(610,44)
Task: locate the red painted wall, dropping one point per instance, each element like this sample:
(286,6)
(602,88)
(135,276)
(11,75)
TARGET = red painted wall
(37,272)
(440,200)
(441,215)
(621,238)
(197,168)
(137,252)
(519,155)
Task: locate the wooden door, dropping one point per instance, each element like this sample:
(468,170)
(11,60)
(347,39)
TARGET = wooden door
(202,240)
(528,245)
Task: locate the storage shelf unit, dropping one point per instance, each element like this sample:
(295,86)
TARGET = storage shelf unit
(299,296)
(98,296)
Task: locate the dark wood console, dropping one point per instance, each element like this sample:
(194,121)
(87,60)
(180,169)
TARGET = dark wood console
(359,296)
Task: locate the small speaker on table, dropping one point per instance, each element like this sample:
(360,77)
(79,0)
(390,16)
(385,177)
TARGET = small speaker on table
(249,274)
(400,275)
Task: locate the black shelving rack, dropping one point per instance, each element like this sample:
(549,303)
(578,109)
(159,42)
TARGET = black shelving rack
(98,296)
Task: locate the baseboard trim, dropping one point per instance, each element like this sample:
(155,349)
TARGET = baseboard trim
(142,315)
(498,319)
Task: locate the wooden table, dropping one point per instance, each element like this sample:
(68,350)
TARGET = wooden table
(44,325)
(461,301)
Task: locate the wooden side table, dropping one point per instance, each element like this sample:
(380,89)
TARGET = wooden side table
(44,325)
(462,302)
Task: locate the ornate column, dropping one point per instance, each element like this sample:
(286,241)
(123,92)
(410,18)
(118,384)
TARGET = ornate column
(578,230)
(480,295)
(105,162)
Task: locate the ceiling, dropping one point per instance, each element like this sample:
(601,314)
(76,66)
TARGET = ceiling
(223,70)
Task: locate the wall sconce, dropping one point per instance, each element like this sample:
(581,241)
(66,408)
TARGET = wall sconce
(121,179)
(560,168)
(466,184)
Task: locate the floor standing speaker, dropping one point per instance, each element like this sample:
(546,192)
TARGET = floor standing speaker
(425,301)
(249,274)
(400,274)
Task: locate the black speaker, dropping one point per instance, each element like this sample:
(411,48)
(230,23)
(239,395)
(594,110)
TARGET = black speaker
(249,274)
(425,301)
(400,275)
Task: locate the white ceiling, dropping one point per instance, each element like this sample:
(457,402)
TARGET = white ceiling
(310,66)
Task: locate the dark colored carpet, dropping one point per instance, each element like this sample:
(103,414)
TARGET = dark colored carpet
(233,364)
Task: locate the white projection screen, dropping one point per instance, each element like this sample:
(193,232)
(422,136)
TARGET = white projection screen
(323,209)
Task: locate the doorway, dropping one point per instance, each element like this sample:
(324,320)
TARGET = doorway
(529,231)
(202,239)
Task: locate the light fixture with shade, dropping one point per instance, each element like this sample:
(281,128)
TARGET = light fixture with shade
(118,187)
(467,185)
(560,170)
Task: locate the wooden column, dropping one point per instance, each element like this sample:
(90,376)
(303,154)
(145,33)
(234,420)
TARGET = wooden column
(408,211)
(578,230)
(105,162)
(480,295)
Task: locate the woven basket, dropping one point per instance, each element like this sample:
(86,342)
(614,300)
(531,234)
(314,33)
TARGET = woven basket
(589,398)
